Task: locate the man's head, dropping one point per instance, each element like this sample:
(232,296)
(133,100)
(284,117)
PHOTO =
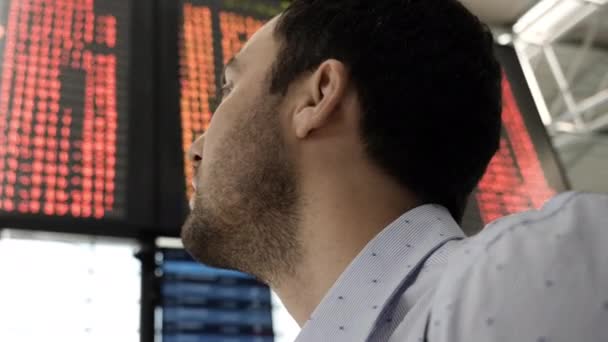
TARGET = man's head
(413,85)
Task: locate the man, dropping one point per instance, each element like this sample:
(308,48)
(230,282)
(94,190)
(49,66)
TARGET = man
(337,167)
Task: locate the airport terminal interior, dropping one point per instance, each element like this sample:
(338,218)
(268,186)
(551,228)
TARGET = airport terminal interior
(94,94)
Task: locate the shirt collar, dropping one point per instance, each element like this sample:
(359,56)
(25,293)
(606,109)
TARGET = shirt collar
(351,307)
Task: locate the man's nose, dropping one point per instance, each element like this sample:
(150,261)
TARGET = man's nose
(196,151)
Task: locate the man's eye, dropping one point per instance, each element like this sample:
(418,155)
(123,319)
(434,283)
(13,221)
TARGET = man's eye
(226,89)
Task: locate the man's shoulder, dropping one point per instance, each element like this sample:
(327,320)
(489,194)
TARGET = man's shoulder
(571,222)
(529,272)
(562,219)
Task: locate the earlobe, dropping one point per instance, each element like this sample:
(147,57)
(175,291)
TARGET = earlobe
(303,122)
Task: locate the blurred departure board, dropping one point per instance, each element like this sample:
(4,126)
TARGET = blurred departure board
(515,180)
(212,32)
(205,304)
(525,172)
(63,107)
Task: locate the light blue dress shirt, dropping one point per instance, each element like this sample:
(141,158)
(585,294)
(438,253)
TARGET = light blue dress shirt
(539,276)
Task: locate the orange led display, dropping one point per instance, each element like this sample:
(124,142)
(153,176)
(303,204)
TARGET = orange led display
(198,72)
(515,180)
(59,110)
(236,30)
(197,77)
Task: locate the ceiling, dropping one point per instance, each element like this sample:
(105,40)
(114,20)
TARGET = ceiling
(584,157)
(504,13)
(499,12)
(599,22)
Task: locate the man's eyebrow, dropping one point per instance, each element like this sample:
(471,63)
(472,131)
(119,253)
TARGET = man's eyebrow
(232,63)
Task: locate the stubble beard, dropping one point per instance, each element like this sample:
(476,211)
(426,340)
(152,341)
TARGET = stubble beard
(247,220)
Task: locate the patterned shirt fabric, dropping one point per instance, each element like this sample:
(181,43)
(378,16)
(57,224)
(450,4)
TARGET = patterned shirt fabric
(539,276)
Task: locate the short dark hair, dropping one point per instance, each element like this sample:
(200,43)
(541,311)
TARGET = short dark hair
(427,79)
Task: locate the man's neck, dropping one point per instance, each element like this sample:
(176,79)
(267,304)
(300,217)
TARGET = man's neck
(335,227)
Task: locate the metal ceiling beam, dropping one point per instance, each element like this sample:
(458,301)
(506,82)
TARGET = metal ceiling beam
(538,30)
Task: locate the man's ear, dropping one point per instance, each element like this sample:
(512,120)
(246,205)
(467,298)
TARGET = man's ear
(325,89)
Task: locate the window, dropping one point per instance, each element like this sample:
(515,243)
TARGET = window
(66,288)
